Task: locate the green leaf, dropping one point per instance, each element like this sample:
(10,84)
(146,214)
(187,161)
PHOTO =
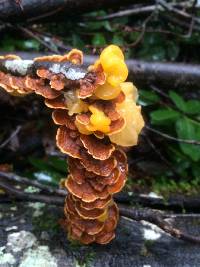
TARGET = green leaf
(163,116)
(173,50)
(193,107)
(77,41)
(98,39)
(39,164)
(58,164)
(117,39)
(178,101)
(31,45)
(187,129)
(148,97)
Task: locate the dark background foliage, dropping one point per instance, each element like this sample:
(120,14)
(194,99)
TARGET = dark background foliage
(158,163)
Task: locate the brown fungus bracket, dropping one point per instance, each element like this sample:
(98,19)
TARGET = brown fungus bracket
(97,115)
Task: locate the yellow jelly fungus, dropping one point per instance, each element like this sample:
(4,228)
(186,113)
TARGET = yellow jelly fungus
(82,128)
(104,216)
(107,91)
(74,104)
(128,136)
(98,121)
(112,61)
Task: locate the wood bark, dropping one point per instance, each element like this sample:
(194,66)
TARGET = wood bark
(165,75)
(51,10)
(30,236)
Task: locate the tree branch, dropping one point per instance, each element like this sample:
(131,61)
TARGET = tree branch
(20,67)
(165,75)
(158,219)
(172,138)
(12,177)
(19,194)
(136,214)
(43,10)
(140,10)
(175,203)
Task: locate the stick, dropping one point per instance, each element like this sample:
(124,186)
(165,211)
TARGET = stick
(136,214)
(165,75)
(54,10)
(18,194)
(156,218)
(175,203)
(12,177)
(10,137)
(20,67)
(172,138)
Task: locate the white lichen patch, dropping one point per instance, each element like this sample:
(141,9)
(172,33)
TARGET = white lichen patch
(1,215)
(13,208)
(38,208)
(154,195)
(6,258)
(38,257)
(70,73)
(41,176)
(32,189)
(19,241)
(11,228)
(151,232)
(19,66)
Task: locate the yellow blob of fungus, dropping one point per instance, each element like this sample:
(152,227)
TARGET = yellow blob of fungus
(82,128)
(104,216)
(107,91)
(74,104)
(128,136)
(98,121)
(112,61)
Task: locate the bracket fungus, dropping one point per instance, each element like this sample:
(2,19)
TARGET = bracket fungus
(97,115)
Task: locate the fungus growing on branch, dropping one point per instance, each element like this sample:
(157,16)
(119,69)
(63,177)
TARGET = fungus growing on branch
(97,115)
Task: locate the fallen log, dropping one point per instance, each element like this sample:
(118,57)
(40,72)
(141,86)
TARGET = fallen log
(166,75)
(40,10)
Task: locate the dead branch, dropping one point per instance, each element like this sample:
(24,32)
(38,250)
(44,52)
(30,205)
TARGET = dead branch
(165,75)
(12,177)
(20,67)
(15,193)
(140,10)
(188,203)
(17,130)
(158,219)
(136,214)
(172,138)
(43,10)
(176,11)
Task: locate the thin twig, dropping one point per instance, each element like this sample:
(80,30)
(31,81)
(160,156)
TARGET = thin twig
(19,194)
(138,11)
(136,214)
(157,90)
(12,177)
(155,149)
(48,14)
(31,34)
(175,10)
(141,36)
(172,138)
(172,203)
(11,137)
(158,219)
(127,12)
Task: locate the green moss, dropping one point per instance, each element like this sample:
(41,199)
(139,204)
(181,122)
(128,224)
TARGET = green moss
(87,261)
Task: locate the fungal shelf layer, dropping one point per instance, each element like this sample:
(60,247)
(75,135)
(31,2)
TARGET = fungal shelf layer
(97,116)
